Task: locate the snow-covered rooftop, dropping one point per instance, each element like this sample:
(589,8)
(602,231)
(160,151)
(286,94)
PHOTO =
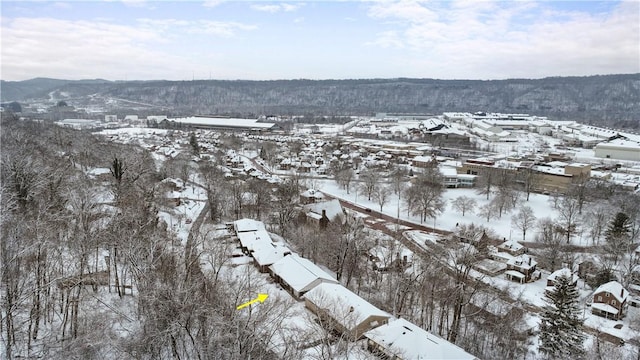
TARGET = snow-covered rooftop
(523,262)
(408,341)
(615,288)
(511,245)
(298,272)
(332,207)
(251,239)
(562,272)
(267,253)
(223,122)
(345,307)
(243,225)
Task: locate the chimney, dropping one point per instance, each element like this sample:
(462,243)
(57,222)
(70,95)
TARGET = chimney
(324,213)
(622,292)
(529,260)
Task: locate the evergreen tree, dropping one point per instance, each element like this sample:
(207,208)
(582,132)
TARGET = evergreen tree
(617,235)
(619,227)
(561,335)
(195,147)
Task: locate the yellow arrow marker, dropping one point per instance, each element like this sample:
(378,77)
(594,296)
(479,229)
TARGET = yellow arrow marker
(261,298)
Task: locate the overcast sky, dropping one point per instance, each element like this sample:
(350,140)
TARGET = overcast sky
(259,40)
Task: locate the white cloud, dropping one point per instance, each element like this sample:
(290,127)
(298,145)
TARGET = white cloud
(266,8)
(209,27)
(411,11)
(62,5)
(137,3)
(274,8)
(83,49)
(387,39)
(290,7)
(220,28)
(212,3)
(509,39)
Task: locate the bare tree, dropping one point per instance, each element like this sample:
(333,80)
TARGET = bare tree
(464,204)
(486,181)
(369,183)
(398,180)
(424,197)
(381,195)
(344,178)
(506,195)
(261,196)
(569,215)
(287,196)
(529,179)
(551,235)
(596,218)
(488,211)
(524,220)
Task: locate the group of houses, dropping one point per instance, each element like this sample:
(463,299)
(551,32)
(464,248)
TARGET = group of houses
(336,307)
(609,300)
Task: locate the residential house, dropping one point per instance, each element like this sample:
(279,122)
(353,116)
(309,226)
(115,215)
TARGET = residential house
(634,296)
(343,311)
(402,340)
(305,167)
(298,275)
(551,279)
(512,247)
(249,240)
(486,308)
(324,212)
(285,164)
(424,161)
(266,254)
(490,267)
(384,259)
(245,225)
(311,196)
(610,300)
(587,269)
(522,269)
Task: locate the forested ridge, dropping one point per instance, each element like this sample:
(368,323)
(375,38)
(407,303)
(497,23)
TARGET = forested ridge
(607,100)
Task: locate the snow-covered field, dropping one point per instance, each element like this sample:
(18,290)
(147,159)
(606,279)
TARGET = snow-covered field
(539,203)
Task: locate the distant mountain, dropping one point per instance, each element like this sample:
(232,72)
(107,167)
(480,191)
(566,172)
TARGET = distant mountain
(593,99)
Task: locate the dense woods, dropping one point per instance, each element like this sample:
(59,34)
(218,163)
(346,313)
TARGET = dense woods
(612,100)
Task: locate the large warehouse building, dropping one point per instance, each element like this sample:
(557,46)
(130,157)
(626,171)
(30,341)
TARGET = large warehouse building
(220,123)
(619,149)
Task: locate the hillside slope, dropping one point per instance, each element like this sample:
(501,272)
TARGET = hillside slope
(597,99)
